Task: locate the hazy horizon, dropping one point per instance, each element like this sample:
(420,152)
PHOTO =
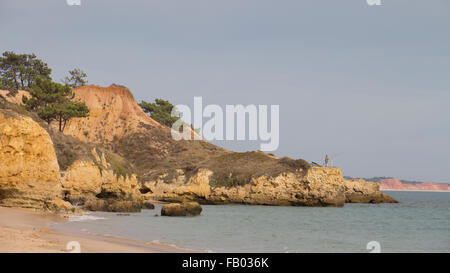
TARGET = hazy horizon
(368,85)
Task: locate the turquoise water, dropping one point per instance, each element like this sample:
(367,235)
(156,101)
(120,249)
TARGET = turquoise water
(420,223)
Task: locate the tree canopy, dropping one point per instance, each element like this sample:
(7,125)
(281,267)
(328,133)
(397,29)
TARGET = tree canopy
(50,100)
(76,79)
(160,110)
(54,102)
(20,71)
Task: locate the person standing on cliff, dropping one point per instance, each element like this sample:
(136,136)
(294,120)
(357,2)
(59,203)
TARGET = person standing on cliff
(326,160)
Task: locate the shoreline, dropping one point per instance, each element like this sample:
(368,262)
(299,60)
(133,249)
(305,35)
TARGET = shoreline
(28,231)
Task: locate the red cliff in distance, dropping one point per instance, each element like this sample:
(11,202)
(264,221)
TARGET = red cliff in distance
(394,184)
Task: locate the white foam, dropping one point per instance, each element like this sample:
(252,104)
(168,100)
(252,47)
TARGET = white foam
(86,217)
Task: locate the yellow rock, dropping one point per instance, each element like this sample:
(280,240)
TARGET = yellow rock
(82,178)
(58,204)
(319,187)
(29,171)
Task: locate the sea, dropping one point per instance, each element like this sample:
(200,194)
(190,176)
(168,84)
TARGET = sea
(419,223)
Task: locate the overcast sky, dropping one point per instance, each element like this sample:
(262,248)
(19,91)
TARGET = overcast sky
(369,85)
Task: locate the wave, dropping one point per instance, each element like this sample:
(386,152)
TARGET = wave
(85,217)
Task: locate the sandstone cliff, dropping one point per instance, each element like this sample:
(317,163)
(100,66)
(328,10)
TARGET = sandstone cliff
(39,165)
(91,179)
(113,114)
(29,171)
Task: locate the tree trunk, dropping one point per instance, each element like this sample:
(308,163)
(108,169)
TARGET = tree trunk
(64,126)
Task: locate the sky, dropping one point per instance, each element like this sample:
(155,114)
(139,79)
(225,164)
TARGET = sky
(367,85)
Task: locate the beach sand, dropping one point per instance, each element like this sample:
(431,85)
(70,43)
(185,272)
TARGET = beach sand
(28,231)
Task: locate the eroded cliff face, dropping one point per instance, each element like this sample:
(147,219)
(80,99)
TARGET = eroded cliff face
(113,114)
(29,171)
(40,166)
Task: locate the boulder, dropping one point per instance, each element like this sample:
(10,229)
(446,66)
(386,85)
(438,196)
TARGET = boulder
(111,205)
(58,205)
(96,205)
(148,205)
(181,209)
(125,206)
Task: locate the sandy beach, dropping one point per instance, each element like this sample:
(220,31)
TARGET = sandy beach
(28,231)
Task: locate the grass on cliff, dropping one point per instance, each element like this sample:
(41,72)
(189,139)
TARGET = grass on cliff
(120,166)
(237,169)
(155,153)
(231,169)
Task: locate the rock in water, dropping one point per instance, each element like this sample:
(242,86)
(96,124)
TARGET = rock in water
(148,205)
(361,191)
(29,170)
(125,206)
(181,209)
(111,205)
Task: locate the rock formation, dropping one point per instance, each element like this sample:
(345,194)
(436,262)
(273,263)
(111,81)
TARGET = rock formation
(88,180)
(113,114)
(29,171)
(39,165)
(319,187)
(361,191)
(181,209)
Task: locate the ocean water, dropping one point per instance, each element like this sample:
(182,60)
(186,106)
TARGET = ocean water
(419,223)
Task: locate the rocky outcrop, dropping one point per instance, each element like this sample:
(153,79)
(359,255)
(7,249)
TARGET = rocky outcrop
(319,187)
(361,191)
(88,180)
(181,209)
(81,181)
(29,171)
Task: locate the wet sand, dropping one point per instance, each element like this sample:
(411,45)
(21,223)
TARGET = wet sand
(28,231)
